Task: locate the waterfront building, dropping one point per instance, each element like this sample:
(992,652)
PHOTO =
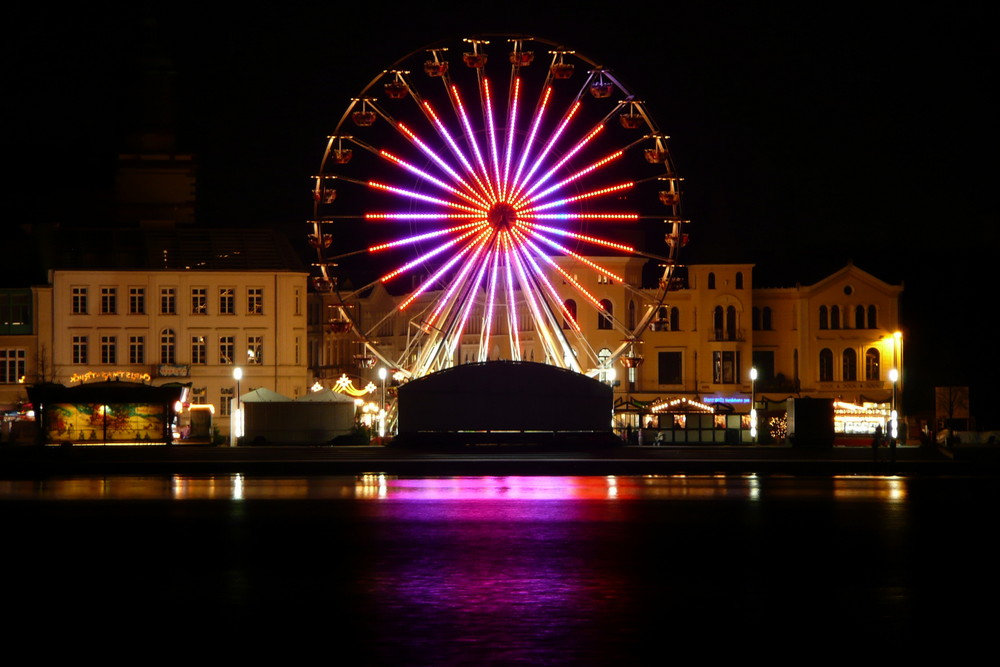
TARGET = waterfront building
(689,377)
(163,306)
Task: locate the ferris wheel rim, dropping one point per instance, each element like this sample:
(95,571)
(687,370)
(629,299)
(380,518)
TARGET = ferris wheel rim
(630,333)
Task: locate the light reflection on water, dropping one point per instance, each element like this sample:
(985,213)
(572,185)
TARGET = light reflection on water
(378,486)
(496,570)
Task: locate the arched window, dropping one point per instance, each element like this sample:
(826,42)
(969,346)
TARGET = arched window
(850,365)
(825,365)
(765,321)
(872,318)
(872,360)
(824,318)
(731,323)
(168,347)
(859,317)
(569,305)
(662,322)
(755,318)
(604,317)
(835,317)
(717,322)
(675,319)
(711,280)
(739,280)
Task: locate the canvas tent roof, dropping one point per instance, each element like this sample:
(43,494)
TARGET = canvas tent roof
(264,395)
(326,395)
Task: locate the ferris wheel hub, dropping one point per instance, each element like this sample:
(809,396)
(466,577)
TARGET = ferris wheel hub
(501,215)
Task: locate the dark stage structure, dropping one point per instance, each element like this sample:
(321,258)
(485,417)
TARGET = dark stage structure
(506,403)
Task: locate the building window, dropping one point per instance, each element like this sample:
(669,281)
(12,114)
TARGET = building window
(859,317)
(850,365)
(137,300)
(199,350)
(137,349)
(765,318)
(199,300)
(872,318)
(12,365)
(669,368)
(603,279)
(227,349)
(79,300)
(739,280)
(168,350)
(675,319)
(79,349)
(731,323)
(255,301)
(226,401)
(168,301)
(109,350)
(199,395)
(825,365)
(227,301)
(109,300)
(872,362)
(298,301)
(604,316)
(824,318)
(569,310)
(835,317)
(711,280)
(298,350)
(726,367)
(755,318)
(255,350)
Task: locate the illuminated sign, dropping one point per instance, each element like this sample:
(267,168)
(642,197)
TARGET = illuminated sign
(173,370)
(107,376)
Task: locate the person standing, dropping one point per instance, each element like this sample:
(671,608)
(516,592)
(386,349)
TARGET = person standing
(876,443)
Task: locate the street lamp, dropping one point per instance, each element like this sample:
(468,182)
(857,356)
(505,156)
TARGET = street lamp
(753,403)
(235,430)
(382,373)
(893,418)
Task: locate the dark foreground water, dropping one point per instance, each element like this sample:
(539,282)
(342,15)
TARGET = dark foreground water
(499,570)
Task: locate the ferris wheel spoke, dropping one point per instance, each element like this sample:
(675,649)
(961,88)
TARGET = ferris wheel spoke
(573,177)
(529,142)
(512,112)
(429,255)
(470,138)
(539,160)
(456,178)
(456,150)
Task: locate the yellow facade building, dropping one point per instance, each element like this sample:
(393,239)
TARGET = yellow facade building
(689,376)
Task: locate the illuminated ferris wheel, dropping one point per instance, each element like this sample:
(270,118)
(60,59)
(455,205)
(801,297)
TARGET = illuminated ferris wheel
(484,180)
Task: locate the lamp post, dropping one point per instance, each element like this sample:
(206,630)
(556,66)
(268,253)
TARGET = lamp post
(897,363)
(382,372)
(753,403)
(893,378)
(235,419)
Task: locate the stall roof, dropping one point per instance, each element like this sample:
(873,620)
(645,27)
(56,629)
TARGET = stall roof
(264,395)
(326,395)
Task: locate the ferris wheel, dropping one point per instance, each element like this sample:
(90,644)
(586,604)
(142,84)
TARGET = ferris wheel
(483,179)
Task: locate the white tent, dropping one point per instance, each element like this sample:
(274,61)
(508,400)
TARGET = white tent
(313,419)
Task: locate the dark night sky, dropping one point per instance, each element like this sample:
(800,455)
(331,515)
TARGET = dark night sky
(808,136)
